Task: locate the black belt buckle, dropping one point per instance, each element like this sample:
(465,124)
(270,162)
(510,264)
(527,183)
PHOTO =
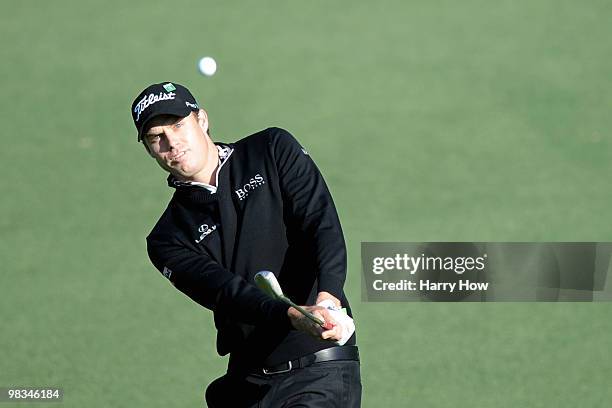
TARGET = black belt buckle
(270,371)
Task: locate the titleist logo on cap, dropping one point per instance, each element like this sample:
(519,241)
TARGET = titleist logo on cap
(149,100)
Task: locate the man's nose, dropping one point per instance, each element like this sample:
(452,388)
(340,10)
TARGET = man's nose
(172,140)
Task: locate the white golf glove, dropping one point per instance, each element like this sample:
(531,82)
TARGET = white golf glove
(347,323)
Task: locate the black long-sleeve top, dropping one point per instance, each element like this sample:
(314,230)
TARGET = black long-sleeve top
(271,211)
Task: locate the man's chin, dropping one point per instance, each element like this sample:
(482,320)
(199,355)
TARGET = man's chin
(181,176)
(184,173)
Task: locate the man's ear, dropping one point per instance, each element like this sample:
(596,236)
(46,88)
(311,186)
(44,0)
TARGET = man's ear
(203,120)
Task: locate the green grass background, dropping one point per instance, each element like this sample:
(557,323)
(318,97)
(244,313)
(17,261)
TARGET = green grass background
(431,120)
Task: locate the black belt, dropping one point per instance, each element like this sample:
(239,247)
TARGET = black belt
(329,354)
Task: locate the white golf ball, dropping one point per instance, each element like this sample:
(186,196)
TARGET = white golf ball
(207,66)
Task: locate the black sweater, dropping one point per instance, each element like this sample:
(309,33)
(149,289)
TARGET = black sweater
(272,211)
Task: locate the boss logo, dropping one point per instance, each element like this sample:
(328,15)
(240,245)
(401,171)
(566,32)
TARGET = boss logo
(253,183)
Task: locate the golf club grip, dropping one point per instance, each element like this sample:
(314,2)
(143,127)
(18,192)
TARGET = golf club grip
(308,314)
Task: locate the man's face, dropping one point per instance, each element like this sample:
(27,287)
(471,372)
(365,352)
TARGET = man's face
(179,144)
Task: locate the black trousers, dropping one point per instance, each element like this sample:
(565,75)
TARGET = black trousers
(325,384)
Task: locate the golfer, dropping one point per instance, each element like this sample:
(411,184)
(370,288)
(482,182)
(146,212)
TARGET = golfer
(238,208)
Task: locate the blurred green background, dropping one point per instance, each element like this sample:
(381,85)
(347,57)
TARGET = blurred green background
(431,121)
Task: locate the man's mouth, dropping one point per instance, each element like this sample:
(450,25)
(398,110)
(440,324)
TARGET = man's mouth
(177,156)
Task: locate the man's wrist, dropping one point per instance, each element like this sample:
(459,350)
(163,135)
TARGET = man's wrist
(323,295)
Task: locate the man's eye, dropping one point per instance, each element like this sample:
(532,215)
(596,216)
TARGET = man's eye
(179,124)
(153,138)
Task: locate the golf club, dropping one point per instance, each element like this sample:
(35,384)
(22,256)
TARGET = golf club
(267,282)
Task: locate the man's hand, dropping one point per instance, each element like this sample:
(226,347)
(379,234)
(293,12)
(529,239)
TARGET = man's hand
(302,323)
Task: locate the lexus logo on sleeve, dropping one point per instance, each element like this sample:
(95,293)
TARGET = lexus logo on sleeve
(204,231)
